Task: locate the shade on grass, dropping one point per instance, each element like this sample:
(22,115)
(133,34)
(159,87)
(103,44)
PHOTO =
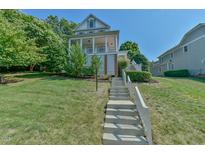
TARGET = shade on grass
(51,110)
(177,110)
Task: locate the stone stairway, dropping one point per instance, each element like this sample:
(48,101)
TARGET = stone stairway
(122,123)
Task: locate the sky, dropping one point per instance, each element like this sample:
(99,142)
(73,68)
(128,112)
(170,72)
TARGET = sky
(155,31)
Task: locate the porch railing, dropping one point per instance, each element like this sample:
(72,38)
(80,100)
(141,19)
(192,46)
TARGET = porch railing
(141,107)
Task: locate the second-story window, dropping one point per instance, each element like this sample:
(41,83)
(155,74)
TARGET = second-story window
(91,23)
(185,48)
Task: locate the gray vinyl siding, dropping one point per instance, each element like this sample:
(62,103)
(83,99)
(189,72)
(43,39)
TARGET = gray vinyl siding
(196,33)
(192,59)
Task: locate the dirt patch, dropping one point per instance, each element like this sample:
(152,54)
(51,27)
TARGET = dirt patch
(9,81)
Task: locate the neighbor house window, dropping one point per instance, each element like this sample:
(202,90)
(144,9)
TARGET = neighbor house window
(172,66)
(185,48)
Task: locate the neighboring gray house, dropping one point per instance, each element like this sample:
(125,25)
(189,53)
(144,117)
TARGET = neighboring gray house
(96,38)
(188,54)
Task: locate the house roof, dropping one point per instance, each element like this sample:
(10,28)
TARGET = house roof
(183,38)
(93,16)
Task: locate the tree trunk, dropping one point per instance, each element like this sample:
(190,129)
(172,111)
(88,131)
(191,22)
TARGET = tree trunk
(31,68)
(2,78)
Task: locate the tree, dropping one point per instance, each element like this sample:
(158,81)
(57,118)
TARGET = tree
(141,59)
(76,61)
(95,64)
(132,48)
(62,27)
(15,48)
(45,40)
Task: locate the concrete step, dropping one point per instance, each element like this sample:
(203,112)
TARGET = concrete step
(125,112)
(124,129)
(116,139)
(119,90)
(121,104)
(121,119)
(118,87)
(116,78)
(117,84)
(119,98)
(119,94)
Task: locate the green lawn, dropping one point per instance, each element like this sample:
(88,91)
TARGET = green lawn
(177,110)
(46,109)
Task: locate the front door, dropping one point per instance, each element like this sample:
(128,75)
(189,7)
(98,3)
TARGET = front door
(111,64)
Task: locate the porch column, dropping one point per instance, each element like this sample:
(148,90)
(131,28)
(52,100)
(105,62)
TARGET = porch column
(69,43)
(106,48)
(167,66)
(116,43)
(93,45)
(81,43)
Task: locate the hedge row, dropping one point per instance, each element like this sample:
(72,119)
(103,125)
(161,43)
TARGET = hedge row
(177,73)
(139,76)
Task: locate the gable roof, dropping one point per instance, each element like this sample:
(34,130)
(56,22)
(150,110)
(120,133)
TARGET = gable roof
(92,16)
(190,31)
(183,38)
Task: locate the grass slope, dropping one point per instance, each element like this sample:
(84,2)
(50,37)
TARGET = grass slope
(51,110)
(177,110)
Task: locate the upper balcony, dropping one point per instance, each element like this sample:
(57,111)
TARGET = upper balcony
(97,44)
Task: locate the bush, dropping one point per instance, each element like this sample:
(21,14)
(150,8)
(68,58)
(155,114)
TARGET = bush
(87,71)
(122,64)
(76,61)
(177,73)
(139,76)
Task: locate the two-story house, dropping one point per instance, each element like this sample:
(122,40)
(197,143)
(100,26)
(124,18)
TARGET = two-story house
(96,38)
(188,54)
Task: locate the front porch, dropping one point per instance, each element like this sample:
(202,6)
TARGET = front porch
(96,44)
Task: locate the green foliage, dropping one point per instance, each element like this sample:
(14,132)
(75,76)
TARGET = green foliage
(27,33)
(87,71)
(141,59)
(95,63)
(122,64)
(139,76)
(62,27)
(15,48)
(177,73)
(76,61)
(134,54)
(132,47)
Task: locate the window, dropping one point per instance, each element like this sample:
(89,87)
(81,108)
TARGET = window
(91,23)
(172,66)
(172,55)
(185,48)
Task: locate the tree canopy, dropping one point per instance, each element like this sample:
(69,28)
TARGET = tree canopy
(26,40)
(131,47)
(15,48)
(135,54)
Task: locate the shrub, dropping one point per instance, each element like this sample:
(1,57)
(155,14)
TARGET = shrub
(122,64)
(177,73)
(139,76)
(76,61)
(87,71)
(95,63)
